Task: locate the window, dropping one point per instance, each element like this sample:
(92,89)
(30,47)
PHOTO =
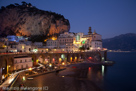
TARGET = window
(25,60)
(15,61)
(20,61)
(21,66)
(26,65)
(17,67)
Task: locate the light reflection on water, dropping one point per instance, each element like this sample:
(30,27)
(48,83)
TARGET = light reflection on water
(96,73)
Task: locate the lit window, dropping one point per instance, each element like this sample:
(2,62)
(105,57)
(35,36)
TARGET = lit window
(22,47)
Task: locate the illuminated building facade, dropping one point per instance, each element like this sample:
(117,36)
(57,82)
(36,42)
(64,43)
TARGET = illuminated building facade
(43,50)
(92,41)
(66,38)
(64,41)
(22,62)
(16,38)
(71,42)
(12,38)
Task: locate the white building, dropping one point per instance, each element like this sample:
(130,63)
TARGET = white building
(28,42)
(22,62)
(21,48)
(64,42)
(66,38)
(28,48)
(92,41)
(96,45)
(71,48)
(38,44)
(52,43)
(71,42)
(44,50)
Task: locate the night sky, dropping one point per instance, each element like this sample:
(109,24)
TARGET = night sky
(108,17)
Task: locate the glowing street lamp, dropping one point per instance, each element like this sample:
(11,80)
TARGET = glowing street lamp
(23,78)
(50,65)
(3,77)
(63,63)
(30,69)
(8,68)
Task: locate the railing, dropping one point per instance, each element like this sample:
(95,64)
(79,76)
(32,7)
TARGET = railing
(50,52)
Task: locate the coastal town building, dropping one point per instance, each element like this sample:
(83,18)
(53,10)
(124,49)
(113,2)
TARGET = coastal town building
(66,42)
(71,42)
(92,41)
(42,50)
(2,47)
(52,43)
(38,44)
(22,62)
(66,38)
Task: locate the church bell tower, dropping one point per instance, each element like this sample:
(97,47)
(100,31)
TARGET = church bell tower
(90,31)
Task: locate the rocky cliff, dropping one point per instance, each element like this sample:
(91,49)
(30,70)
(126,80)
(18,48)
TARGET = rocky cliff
(27,20)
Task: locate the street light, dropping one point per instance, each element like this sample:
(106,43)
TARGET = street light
(63,63)
(30,69)
(3,77)
(50,65)
(23,78)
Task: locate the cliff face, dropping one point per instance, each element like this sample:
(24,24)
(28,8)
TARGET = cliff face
(27,20)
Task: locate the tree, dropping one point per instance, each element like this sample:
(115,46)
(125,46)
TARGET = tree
(87,48)
(16,4)
(29,4)
(2,7)
(82,48)
(24,3)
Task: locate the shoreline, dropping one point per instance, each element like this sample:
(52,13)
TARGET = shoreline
(71,79)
